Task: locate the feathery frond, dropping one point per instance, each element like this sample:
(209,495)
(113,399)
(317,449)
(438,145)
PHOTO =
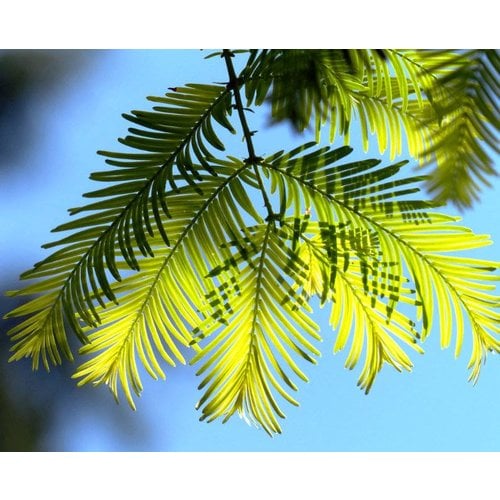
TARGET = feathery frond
(162,302)
(464,93)
(130,211)
(444,103)
(250,359)
(408,233)
(344,267)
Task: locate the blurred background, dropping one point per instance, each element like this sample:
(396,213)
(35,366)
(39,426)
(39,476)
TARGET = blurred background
(56,109)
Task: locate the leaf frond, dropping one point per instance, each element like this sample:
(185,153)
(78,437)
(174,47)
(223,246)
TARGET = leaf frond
(443,103)
(248,361)
(412,238)
(464,94)
(131,211)
(161,304)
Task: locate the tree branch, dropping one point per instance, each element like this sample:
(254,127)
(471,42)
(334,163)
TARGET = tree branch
(254,160)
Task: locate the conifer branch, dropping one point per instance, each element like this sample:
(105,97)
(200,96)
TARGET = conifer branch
(234,84)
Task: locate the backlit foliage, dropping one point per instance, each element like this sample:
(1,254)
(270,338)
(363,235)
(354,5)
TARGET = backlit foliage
(174,253)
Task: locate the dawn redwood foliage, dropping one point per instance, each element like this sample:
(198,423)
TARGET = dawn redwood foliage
(174,254)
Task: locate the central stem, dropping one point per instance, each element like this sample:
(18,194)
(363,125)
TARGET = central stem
(253,159)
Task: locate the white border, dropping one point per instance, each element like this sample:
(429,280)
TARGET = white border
(253,475)
(180,24)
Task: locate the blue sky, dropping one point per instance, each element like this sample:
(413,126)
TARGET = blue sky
(433,408)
